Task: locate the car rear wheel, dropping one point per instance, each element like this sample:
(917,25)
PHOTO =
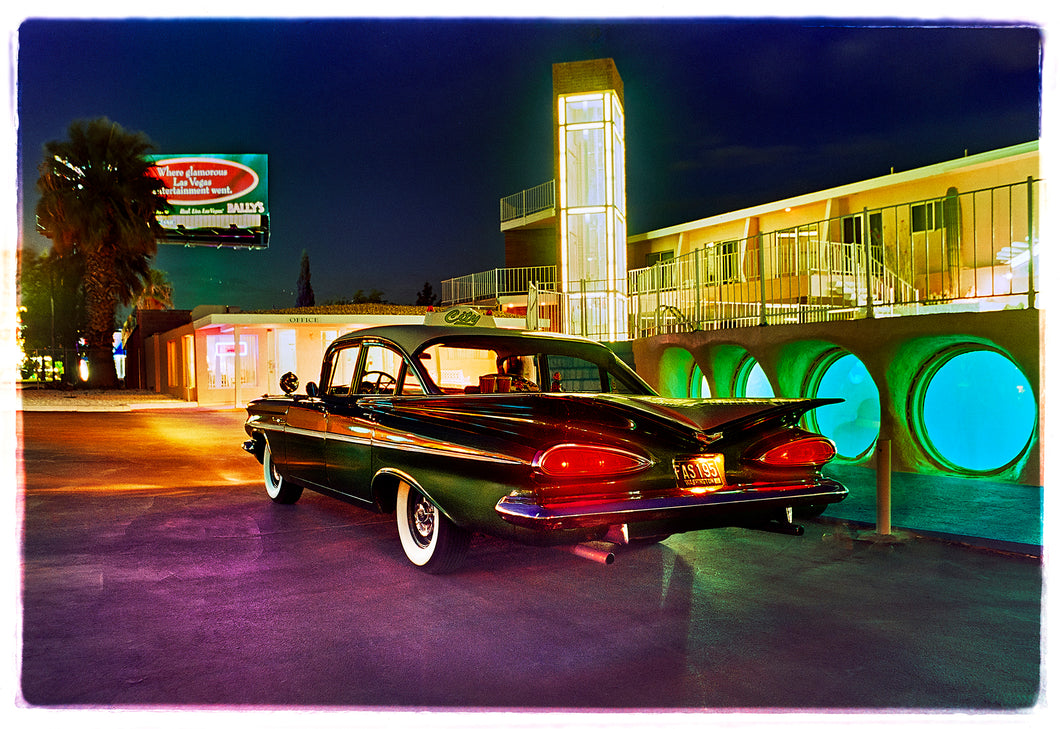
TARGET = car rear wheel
(430,540)
(279,489)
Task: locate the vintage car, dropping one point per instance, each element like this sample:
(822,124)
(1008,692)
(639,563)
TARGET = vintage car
(530,436)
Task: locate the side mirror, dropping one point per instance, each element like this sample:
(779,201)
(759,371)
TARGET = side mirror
(311,389)
(289,382)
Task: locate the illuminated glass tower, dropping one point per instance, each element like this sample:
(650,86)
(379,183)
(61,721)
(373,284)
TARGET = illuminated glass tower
(591,199)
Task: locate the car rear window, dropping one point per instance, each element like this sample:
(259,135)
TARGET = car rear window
(462,369)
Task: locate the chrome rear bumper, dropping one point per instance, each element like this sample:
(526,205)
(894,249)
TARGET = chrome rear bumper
(516,510)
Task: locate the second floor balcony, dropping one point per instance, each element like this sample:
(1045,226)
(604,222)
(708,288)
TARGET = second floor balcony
(977,251)
(529,206)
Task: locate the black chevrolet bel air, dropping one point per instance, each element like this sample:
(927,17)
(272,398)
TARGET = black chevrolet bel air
(535,437)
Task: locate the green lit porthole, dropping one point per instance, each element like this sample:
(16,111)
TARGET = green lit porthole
(854,424)
(976,410)
(697,384)
(751,380)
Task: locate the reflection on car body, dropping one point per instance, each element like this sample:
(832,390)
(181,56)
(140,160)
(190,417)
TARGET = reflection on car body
(535,437)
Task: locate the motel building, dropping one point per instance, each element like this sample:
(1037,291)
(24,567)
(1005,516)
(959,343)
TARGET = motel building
(912,296)
(220,357)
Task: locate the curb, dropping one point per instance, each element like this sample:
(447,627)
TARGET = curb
(118,407)
(865,532)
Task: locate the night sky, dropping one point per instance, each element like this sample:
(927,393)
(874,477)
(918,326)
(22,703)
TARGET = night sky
(390,142)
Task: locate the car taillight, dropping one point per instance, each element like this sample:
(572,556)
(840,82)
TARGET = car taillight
(572,460)
(815,451)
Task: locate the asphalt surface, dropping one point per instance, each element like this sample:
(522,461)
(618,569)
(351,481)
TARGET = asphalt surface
(156,573)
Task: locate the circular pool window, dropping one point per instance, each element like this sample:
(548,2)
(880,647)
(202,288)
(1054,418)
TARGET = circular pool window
(854,424)
(977,411)
(751,380)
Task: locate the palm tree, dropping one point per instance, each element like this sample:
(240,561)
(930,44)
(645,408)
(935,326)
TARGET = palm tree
(156,292)
(98,202)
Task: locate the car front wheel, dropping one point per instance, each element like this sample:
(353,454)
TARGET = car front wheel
(430,540)
(279,489)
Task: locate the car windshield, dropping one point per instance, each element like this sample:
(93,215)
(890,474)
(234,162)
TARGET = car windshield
(489,365)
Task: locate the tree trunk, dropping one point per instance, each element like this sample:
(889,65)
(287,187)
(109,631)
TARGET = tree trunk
(101,302)
(101,372)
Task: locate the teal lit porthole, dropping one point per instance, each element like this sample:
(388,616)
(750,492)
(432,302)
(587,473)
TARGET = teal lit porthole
(854,424)
(977,411)
(751,380)
(697,384)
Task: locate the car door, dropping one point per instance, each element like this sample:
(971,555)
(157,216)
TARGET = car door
(307,418)
(353,426)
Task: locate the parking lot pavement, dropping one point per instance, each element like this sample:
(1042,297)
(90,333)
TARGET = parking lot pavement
(157,573)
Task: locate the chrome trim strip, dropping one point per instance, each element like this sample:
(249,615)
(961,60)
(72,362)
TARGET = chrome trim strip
(262,425)
(452,452)
(304,431)
(354,439)
(624,510)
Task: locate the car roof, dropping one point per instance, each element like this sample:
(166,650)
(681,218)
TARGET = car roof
(412,337)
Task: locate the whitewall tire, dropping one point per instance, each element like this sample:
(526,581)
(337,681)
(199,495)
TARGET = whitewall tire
(429,539)
(277,487)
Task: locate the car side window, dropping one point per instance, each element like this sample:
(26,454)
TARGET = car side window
(386,373)
(343,368)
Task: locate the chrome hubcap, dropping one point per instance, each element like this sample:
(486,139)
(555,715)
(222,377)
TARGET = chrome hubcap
(423,519)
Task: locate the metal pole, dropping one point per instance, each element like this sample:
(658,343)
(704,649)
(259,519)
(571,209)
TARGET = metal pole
(236,366)
(761,281)
(656,276)
(869,314)
(883,487)
(585,305)
(1030,242)
(698,309)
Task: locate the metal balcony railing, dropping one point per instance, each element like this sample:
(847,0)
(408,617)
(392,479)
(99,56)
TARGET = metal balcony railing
(524,204)
(966,252)
(488,286)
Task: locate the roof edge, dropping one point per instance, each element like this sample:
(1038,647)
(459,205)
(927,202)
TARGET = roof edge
(847,189)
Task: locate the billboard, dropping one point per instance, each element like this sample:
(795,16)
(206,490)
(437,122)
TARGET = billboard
(218,200)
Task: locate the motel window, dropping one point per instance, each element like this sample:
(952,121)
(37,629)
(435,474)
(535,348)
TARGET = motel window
(188,350)
(221,360)
(172,363)
(650,259)
(723,262)
(666,279)
(326,338)
(926,216)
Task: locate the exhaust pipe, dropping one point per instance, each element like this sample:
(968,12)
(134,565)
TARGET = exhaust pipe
(595,551)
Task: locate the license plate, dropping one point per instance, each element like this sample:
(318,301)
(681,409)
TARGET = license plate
(701,473)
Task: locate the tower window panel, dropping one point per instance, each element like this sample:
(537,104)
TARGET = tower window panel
(585,178)
(587,247)
(580,109)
